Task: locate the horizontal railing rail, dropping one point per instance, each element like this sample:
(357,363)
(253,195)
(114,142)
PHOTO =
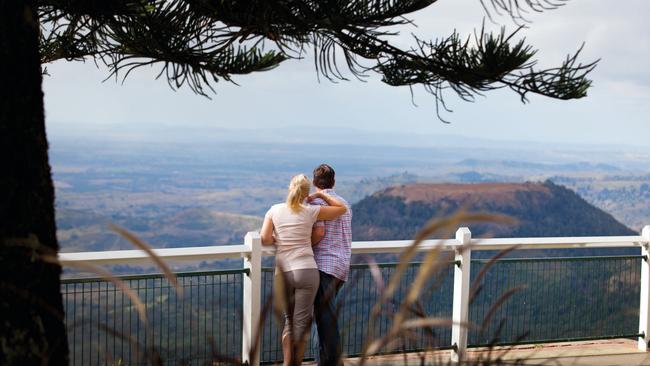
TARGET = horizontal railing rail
(203,253)
(461,246)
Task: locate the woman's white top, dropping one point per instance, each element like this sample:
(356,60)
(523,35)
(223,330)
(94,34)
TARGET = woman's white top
(292,233)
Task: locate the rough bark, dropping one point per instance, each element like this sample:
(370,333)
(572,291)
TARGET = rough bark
(32,331)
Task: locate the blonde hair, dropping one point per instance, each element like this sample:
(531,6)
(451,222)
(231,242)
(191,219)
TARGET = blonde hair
(298,191)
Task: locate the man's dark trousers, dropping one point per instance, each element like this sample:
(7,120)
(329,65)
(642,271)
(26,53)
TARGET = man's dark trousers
(325,315)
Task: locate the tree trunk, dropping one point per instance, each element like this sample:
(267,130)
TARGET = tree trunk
(32,330)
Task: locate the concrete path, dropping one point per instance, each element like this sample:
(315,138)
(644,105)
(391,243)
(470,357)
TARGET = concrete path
(591,353)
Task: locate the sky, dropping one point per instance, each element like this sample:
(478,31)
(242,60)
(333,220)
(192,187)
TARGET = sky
(78,102)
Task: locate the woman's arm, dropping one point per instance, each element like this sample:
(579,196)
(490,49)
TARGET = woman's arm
(267,232)
(335,209)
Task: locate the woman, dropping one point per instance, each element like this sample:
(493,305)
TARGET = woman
(289,226)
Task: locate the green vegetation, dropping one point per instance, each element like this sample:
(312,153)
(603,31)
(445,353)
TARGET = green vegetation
(152,190)
(541,210)
(625,196)
(185,228)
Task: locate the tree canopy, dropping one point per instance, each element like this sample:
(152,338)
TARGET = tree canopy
(199,42)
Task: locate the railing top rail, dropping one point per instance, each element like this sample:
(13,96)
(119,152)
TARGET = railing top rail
(358,247)
(167,254)
(503,243)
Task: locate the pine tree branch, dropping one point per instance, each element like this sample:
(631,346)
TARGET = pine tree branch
(198,42)
(518,9)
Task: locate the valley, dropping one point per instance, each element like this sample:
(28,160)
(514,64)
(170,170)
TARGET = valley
(174,195)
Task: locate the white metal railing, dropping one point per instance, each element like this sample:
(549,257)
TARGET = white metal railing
(463,245)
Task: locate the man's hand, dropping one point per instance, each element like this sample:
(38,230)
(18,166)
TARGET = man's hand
(314,196)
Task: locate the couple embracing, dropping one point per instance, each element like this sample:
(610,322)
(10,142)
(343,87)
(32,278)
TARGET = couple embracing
(312,234)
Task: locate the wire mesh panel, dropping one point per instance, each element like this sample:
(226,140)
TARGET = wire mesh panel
(356,300)
(272,324)
(551,299)
(556,299)
(201,324)
(361,294)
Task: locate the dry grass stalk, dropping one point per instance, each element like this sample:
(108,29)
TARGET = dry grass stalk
(124,287)
(505,296)
(108,276)
(475,287)
(431,265)
(169,275)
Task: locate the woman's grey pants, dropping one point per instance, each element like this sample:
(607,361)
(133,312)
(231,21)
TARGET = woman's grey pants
(300,286)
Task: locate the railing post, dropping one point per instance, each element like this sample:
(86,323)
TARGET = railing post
(460,312)
(644,318)
(252,297)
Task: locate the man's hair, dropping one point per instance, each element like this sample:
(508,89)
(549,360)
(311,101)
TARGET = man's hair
(324,176)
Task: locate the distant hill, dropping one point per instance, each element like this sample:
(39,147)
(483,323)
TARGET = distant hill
(542,210)
(397,212)
(84,231)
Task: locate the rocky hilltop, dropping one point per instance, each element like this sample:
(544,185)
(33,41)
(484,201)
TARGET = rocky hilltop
(540,209)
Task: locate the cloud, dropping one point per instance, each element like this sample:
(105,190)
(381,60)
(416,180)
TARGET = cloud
(630,90)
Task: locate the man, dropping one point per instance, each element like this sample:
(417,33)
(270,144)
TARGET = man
(332,250)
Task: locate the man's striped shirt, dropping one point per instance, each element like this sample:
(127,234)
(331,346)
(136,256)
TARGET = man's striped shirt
(333,253)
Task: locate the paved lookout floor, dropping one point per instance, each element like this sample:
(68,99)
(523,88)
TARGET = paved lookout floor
(590,353)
